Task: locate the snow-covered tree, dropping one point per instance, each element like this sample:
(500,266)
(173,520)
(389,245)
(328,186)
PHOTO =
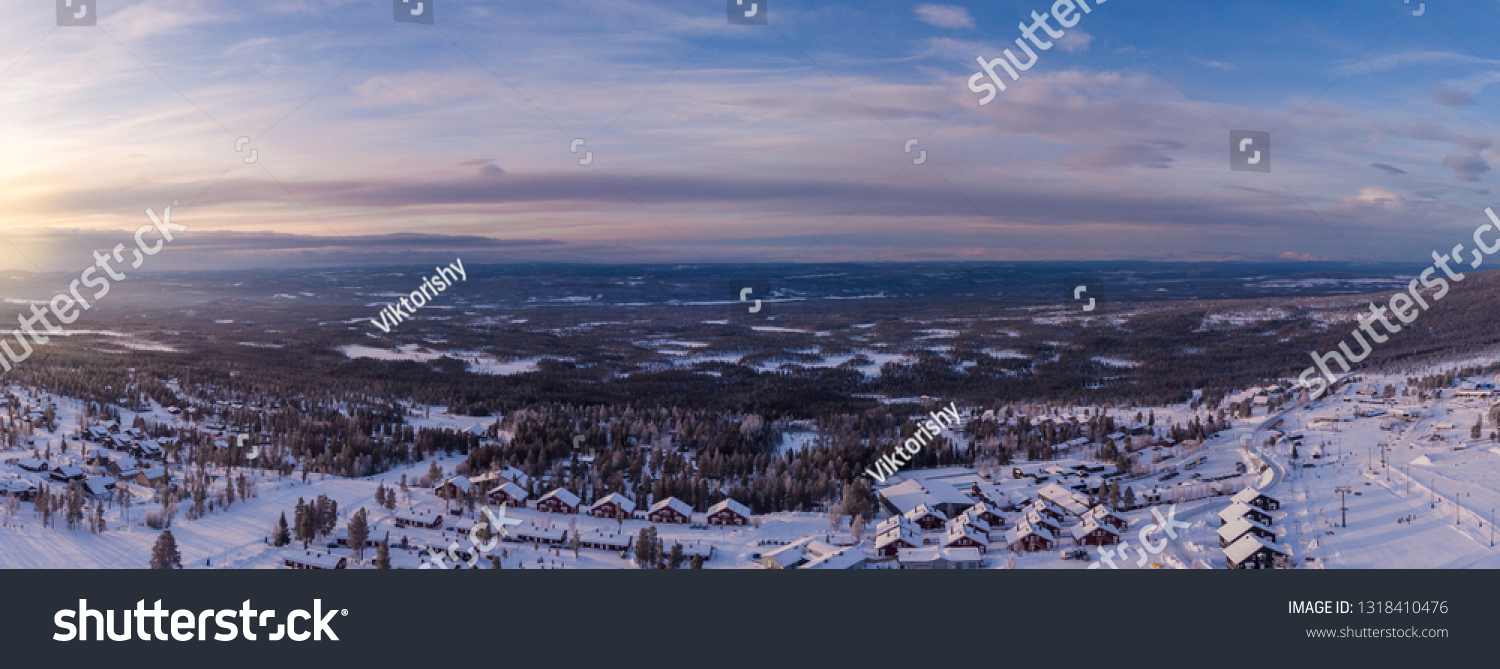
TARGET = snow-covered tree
(164,554)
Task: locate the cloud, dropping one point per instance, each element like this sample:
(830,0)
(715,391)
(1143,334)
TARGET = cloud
(1387,168)
(1449,98)
(944,16)
(1075,40)
(1409,59)
(1292,255)
(1122,156)
(1218,65)
(482,168)
(416,88)
(60,250)
(1467,168)
(249,44)
(1373,196)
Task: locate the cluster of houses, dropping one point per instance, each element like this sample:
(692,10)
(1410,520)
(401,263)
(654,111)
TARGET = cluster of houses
(1245,532)
(942,532)
(1057,508)
(809,553)
(98,476)
(508,488)
(130,440)
(311,560)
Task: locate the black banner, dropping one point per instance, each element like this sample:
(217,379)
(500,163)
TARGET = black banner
(755,618)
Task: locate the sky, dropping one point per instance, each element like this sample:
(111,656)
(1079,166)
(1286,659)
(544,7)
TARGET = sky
(378,141)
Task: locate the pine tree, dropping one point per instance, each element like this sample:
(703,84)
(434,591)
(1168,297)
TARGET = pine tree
(331,521)
(359,530)
(643,548)
(696,562)
(383,554)
(164,554)
(43,504)
(299,522)
(282,536)
(675,561)
(307,529)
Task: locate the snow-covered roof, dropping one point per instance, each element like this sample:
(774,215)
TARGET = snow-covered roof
(1236,510)
(312,559)
(730,505)
(1063,497)
(1024,530)
(789,554)
(1088,526)
(809,553)
(929,554)
(1247,545)
(836,558)
(1044,503)
(34,464)
(561,494)
(625,503)
(516,476)
(1038,519)
(984,507)
(973,519)
(890,524)
(909,495)
(599,536)
(1102,511)
(958,531)
(925,510)
(513,491)
(1239,526)
(893,535)
(16,487)
(674,504)
(1249,495)
(99,485)
(418,517)
(531,531)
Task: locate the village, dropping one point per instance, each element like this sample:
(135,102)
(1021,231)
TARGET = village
(1250,493)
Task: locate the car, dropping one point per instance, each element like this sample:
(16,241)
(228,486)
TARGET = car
(1076,554)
